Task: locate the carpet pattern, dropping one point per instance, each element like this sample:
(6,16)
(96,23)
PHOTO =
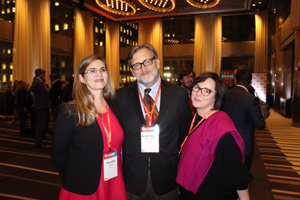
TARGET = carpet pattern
(279,148)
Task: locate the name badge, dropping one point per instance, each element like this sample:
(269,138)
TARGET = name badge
(150,139)
(110,165)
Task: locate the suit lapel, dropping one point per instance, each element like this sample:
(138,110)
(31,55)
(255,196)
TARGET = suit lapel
(165,97)
(116,113)
(135,100)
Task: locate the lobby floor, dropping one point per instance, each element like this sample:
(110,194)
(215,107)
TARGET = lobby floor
(28,173)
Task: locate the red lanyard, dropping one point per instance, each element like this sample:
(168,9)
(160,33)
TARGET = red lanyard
(192,124)
(108,133)
(149,114)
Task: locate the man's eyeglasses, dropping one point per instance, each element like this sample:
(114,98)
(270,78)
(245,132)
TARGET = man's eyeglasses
(94,71)
(204,91)
(146,63)
(189,76)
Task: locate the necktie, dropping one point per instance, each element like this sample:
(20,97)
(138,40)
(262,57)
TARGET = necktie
(149,103)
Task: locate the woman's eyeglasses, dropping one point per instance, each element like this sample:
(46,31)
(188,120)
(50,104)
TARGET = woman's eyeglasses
(204,91)
(94,71)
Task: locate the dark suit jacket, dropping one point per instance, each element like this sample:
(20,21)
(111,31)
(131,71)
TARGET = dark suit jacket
(77,150)
(174,120)
(41,95)
(244,110)
(54,93)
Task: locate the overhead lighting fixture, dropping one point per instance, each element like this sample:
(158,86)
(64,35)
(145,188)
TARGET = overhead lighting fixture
(118,7)
(203,3)
(159,5)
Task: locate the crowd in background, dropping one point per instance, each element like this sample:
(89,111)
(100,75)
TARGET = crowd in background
(22,101)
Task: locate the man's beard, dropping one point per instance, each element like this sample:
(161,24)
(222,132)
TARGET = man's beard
(152,78)
(184,85)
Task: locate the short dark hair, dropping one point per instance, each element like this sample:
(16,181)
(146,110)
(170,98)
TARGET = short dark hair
(243,75)
(220,87)
(39,71)
(53,76)
(139,47)
(70,79)
(185,72)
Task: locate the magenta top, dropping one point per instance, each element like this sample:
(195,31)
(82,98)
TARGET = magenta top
(198,152)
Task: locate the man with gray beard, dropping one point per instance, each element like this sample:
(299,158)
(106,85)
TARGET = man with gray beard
(157,116)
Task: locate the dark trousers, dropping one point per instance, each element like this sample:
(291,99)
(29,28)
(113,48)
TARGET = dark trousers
(149,194)
(41,122)
(22,115)
(33,120)
(54,112)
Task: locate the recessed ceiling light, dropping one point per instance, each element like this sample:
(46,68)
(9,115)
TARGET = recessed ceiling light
(253,4)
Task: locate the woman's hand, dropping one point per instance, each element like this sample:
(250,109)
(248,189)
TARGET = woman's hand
(243,194)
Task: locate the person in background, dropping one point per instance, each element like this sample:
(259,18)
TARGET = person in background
(21,95)
(66,93)
(244,110)
(87,137)
(31,111)
(186,80)
(41,105)
(211,164)
(13,101)
(153,105)
(54,93)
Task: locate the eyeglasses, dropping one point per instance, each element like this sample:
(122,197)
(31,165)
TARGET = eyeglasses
(146,63)
(204,91)
(190,76)
(94,71)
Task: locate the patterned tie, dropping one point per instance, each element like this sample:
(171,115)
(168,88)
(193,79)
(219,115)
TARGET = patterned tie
(149,103)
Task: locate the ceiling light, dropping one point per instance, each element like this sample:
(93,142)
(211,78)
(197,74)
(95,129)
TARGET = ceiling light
(203,3)
(118,7)
(159,6)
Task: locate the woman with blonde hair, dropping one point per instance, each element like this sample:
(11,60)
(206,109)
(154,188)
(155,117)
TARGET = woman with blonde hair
(88,136)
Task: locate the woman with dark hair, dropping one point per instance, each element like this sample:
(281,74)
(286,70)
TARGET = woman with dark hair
(66,93)
(212,155)
(88,137)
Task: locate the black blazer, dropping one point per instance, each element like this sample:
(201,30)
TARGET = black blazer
(244,110)
(41,94)
(77,150)
(55,92)
(174,120)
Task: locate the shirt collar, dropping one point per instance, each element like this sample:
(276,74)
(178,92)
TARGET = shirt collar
(153,88)
(242,87)
(39,79)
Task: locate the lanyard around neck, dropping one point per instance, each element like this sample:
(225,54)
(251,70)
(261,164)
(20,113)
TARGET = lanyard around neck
(149,114)
(192,124)
(108,133)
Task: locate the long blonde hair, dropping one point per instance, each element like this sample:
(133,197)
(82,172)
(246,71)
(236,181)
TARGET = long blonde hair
(82,96)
